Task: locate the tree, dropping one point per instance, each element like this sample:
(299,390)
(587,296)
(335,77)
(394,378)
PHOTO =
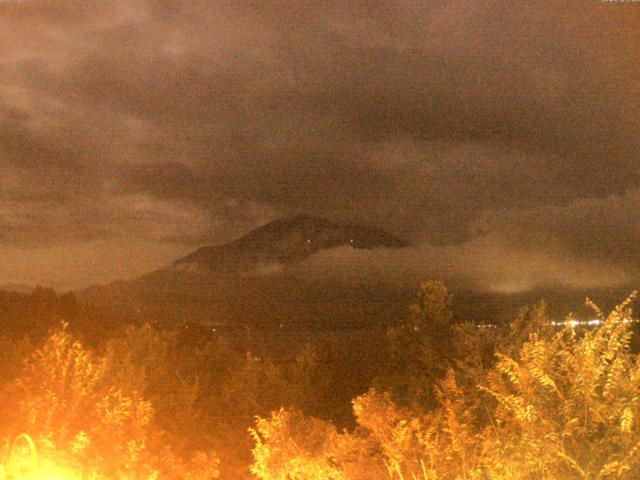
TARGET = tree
(560,405)
(77,408)
(64,401)
(568,407)
(420,348)
(290,446)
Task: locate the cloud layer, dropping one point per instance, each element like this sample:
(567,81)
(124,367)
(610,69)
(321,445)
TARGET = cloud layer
(479,125)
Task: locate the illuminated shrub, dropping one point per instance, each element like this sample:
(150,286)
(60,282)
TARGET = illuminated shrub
(62,399)
(290,446)
(568,407)
(559,406)
(81,415)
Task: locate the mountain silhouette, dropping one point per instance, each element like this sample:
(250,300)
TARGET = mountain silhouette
(286,241)
(253,280)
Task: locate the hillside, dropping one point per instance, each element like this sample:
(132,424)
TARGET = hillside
(251,281)
(285,241)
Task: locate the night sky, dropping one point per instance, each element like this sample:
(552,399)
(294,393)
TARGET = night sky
(499,137)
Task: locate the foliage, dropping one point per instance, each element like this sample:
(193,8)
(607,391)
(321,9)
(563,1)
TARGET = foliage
(569,407)
(420,348)
(554,406)
(148,361)
(70,402)
(451,401)
(475,346)
(290,446)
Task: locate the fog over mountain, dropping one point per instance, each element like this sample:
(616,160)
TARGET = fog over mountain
(311,272)
(261,278)
(284,242)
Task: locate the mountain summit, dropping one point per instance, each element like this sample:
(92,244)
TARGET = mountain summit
(254,280)
(285,241)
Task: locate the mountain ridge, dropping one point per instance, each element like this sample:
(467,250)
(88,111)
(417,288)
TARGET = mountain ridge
(248,280)
(285,241)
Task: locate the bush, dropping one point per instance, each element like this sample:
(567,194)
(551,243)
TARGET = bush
(70,401)
(559,406)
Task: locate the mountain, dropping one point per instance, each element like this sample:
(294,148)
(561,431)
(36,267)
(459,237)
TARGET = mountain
(253,280)
(261,281)
(283,242)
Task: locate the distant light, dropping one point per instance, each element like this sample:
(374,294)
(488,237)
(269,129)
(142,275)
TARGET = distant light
(592,322)
(567,323)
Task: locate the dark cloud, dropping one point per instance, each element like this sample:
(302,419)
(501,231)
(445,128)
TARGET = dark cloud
(456,124)
(603,230)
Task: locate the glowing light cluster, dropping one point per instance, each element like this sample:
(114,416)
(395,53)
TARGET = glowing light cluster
(23,463)
(586,323)
(573,323)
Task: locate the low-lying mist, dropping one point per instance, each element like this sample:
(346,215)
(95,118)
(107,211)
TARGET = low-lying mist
(486,263)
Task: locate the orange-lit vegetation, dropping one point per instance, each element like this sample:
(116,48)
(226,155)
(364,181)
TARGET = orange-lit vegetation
(558,406)
(84,414)
(439,399)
